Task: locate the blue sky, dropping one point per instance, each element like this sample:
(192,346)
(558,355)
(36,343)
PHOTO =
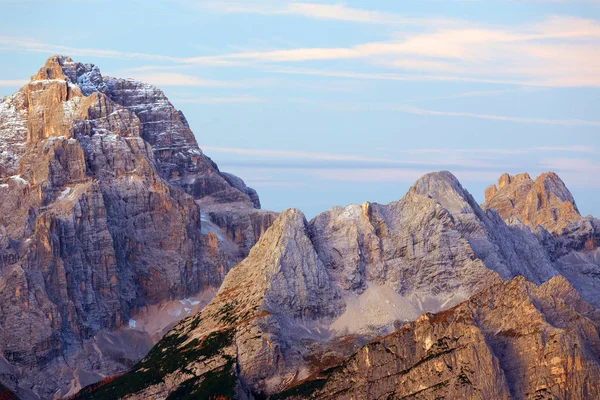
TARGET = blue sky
(318,104)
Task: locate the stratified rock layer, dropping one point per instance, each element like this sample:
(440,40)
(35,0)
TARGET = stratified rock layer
(101,182)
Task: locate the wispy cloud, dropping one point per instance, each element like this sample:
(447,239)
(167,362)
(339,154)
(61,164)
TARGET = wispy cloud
(287,154)
(13,82)
(581,165)
(390,76)
(220,100)
(399,175)
(576,172)
(339,12)
(279,158)
(479,93)
(29,45)
(177,79)
(427,112)
(23,44)
(544,121)
(505,151)
(558,51)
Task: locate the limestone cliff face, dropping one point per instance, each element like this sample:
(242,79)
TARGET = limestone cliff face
(545,201)
(247,339)
(514,340)
(546,208)
(101,185)
(436,238)
(311,293)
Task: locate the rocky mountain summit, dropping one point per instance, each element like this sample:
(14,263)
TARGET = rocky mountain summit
(544,202)
(107,207)
(310,294)
(547,208)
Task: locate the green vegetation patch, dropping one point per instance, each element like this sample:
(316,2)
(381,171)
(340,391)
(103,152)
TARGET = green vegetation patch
(307,388)
(215,384)
(166,357)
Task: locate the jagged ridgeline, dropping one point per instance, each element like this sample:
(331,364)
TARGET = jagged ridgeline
(109,214)
(429,297)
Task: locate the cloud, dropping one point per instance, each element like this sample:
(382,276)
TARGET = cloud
(12,43)
(427,112)
(507,151)
(339,12)
(287,154)
(177,79)
(387,76)
(558,51)
(544,121)
(479,93)
(220,100)
(333,160)
(584,166)
(400,175)
(29,45)
(13,82)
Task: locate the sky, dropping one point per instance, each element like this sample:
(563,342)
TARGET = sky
(320,103)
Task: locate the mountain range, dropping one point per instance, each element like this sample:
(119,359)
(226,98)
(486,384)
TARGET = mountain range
(116,229)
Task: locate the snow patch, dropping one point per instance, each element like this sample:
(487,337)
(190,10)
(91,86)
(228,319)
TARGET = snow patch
(18,179)
(206,228)
(353,211)
(189,301)
(64,193)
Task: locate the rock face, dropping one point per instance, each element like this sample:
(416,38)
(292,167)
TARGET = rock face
(546,208)
(545,201)
(101,192)
(247,338)
(512,341)
(311,293)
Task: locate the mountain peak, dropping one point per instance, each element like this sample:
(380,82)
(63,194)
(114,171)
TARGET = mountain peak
(109,168)
(444,188)
(53,68)
(86,76)
(545,201)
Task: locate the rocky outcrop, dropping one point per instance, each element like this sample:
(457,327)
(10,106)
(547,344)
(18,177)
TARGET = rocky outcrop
(436,238)
(250,332)
(546,208)
(512,341)
(178,157)
(310,293)
(101,191)
(545,201)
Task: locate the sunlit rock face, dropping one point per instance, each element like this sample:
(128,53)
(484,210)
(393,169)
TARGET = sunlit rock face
(545,201)
(311,294)
(545,207)
(514,340)
(101,191)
